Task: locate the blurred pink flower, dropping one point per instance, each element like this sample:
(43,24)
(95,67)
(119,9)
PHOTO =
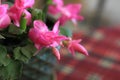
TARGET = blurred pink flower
(15,15)
(54,9)
(71,12)
(28,16)
(67,12)
(18,9)
(74,46)
(56,52)
(24,3)
(43,37)
(58,2)
(4,18)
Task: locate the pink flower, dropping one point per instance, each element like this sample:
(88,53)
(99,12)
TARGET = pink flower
(28,16)
(58,2)
(4,18)
(74,46)
(15,15)
(71,12)
(54,9)
(43,37)
(67,12)
(18,9)
(24,3)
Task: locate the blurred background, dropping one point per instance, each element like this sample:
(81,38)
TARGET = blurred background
(100,34)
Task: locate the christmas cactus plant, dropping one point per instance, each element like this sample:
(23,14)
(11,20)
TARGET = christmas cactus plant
(27,33)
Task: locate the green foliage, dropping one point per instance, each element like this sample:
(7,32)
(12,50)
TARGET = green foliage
(10,1)
(28,50)
(49,2)
(2,37)
(4,59)
(11,72)
(37,14)
(9,69)
(24,53)
(14,29)
(65,31)
(23,23)
(19,56)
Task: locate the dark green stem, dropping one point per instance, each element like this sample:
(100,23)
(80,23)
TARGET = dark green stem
(45,9)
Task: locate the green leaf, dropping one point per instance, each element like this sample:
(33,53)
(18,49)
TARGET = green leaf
(23,23)
(4,59)
(37,14)
(28,51)
(49,2)
(65,31)
(24,53)
(2,37)
(11,71)
(9,2)
(14,29)
(19,56)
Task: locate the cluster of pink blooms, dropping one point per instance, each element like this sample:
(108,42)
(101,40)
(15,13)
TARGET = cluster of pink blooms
(39,33)
(4,18)
(67,12)
(15,12)
(19,9)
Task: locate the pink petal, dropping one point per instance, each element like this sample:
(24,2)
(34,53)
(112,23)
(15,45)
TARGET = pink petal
(33,34)
(4,18)
(60,38)
(73,8)
(70,48)
(63,19)
(3,9)
(79,48)
(56,26)
(15,15)
(65,11)
(19,4)
(52,9)
(58,2)
(23,4)
(77,41)
(40,25)
(29,3)
(56,53)
(28,17)
(4,21)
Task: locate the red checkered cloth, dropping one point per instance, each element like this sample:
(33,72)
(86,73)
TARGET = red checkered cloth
(103,62)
